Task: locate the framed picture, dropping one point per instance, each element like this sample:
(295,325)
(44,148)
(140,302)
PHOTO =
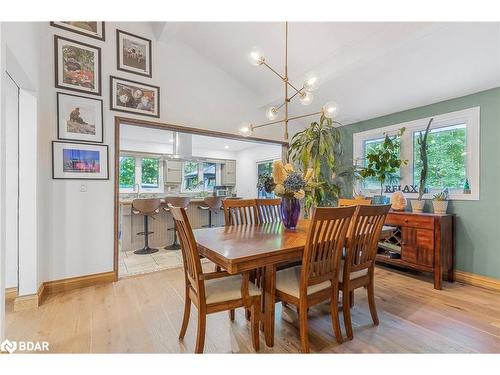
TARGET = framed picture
(79,118)
(134,97)
(78,66)
(133,53)
(93,29)
(79,161)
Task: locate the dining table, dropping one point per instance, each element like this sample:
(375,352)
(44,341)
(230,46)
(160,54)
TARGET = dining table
(241,248)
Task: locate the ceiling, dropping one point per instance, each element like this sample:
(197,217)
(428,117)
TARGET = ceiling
(369,69)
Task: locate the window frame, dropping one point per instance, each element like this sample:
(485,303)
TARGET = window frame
(138,174)
(469,116)
(201,176)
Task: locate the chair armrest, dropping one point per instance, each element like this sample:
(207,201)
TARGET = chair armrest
(214,275)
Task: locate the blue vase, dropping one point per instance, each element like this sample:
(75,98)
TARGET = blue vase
(380,199)
(290,212)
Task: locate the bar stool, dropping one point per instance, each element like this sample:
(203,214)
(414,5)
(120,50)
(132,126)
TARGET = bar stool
(213,204)
(146,207)
(182,202)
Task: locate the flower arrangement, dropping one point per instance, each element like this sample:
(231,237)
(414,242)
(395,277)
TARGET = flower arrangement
(288,182)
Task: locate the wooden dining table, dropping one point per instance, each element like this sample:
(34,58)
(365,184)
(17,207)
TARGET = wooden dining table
(241,248)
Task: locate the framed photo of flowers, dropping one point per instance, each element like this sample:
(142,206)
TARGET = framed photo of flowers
(77,66)
(134,97)
(79,118)
(93,29)
(79,161)
(133,53)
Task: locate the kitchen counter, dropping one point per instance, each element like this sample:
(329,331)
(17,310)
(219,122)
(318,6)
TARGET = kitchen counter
(128,201)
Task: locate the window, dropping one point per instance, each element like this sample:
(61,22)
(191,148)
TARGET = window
(372,182)
(453,153)
(264,168)
(144,171)
(198,176)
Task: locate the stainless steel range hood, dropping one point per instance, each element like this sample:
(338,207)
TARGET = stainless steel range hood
(183,145)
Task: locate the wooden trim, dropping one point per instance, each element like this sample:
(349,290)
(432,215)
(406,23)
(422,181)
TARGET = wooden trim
(64,285)
(172,127)
(28,302)
(478,280)
(10,294)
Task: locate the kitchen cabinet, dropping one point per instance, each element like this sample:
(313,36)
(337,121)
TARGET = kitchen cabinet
(173,172)
(228,170)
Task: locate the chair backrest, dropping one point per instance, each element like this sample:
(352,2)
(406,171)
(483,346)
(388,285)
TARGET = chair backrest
(268,210)
(214,203)
(343,202)
(325,241)
(190,256)
(363,237)
(146,206)
(177,201)
(240,211)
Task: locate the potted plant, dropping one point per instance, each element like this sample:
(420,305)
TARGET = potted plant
(317,148)
(383,162)
(417,205)
(440,202)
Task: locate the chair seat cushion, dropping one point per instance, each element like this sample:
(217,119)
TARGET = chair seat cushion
(227,289)
(354,275)
(288,281)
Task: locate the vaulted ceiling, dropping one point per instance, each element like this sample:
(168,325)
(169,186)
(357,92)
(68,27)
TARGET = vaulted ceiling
(369,69)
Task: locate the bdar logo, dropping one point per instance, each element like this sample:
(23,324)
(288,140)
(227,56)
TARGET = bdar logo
(8,346)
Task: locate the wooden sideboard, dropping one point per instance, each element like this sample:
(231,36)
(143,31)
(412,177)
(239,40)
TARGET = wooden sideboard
(425,241)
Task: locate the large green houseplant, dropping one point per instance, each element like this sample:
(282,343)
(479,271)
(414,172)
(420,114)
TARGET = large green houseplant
(383,162)
(417,205)
(318,147)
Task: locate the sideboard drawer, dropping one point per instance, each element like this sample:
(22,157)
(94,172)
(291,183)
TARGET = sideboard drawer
(415,221)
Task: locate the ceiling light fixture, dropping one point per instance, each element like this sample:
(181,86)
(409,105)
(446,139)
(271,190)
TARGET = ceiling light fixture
(305,95)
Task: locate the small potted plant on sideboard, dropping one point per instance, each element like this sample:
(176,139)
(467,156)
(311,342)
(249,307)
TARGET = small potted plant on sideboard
(440,202)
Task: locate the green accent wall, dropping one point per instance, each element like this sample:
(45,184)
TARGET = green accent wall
(477,222)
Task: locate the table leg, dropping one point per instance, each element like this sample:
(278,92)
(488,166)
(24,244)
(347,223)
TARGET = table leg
(269,302)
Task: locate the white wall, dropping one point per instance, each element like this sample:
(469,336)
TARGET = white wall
(2,185)
(193,93)
(246,167)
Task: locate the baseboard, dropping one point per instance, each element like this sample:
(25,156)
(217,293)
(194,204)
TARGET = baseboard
(30,301)
(10,294)
(478,280)
(64,285)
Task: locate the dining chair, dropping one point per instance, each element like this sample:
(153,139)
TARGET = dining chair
(240,211)
(212,292)
(344,202)
(316,280)
(357,268)
(268,210)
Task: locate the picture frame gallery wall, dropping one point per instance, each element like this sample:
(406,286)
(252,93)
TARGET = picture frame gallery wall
(79,152)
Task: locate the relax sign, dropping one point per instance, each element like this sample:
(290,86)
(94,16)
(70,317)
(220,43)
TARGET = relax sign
(406,189)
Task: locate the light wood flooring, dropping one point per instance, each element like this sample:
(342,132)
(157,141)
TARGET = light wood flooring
(143,314)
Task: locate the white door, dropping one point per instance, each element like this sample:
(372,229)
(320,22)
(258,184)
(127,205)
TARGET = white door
(12,182)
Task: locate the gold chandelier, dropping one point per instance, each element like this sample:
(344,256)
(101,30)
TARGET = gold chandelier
(304,94)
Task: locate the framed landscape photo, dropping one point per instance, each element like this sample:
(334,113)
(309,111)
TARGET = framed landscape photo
(77,66)
(79,118)
(133,53)
(93,29)
(79,161)
(134,97)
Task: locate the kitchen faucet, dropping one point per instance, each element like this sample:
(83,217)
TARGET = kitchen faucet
(137,191)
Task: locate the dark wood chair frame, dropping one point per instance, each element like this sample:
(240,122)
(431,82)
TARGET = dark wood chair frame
(195,286)
(321,262)
(361,249)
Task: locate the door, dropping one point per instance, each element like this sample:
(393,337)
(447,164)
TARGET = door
(417,246)
(11,183)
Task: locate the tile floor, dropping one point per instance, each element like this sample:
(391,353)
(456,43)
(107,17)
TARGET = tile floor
(133,264)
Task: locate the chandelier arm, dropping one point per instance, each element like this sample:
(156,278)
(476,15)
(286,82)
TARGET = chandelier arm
(273,70)
(281,106)
(297,91)
(283,120)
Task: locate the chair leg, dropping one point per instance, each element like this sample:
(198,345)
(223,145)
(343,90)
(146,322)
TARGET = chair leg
(351,299)
(335,315)
(371,301)
(200,335)
(187,312)
(347,312)
(304,339)
(255,324)
(231,315)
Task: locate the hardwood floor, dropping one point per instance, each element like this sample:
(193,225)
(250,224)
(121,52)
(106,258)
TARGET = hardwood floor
(143,314)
